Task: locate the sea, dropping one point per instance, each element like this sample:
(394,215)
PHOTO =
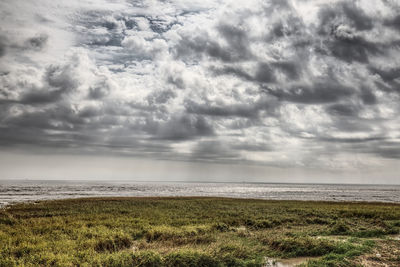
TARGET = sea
(34,190)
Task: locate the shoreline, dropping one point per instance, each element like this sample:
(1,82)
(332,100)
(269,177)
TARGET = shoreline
(3,206)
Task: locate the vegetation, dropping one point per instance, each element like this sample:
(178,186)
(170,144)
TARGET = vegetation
(196,232)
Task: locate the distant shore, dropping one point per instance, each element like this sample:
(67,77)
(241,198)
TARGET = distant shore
(198,231)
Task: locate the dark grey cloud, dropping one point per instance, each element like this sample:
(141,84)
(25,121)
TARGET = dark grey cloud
(342,25)
(199,46)
(58,80)
(161,97)
(292,70)
(394,23)
(350,47)
(61,77)
(247,111)
(389,76)
(159,25)
(235,71)
(99,90)
(355,142)
(90,112)
(2,45)
(264,73)
(177,81)
(278,30)
(352,125)
(250,110)
(357,16)
(317,93)
(213,151)
(41,96)
(183,127)
(390,151)
(237,39)
(252,146)
(290,27)
(368,97)
(38,42)
(343,12)
(378,146)
(344,109)
(235,47)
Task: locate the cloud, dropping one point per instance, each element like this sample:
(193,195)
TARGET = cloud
(2,45)
(319,92)
(143,48)
(394,23)
(183,127)
(199,46)
(100,89)
(279,83)
(37,42)
(349,46)
(343,110)
(213,151)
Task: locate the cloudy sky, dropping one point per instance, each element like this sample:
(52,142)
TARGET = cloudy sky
(255,90)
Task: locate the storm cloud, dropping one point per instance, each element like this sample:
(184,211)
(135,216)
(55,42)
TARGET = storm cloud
(297,83)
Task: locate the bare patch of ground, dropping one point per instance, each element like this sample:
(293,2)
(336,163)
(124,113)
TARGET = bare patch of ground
(386,253)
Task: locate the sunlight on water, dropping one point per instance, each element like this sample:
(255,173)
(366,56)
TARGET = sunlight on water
(286,262)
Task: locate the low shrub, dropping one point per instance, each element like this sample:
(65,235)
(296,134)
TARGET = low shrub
(302,246)
(114,244)
(317,221)
(128,259)
(146,259)
(221,227)
(340,228)
(190,259)
(7,221)
(369,233)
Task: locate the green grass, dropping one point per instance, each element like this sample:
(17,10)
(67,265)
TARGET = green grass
(190,232)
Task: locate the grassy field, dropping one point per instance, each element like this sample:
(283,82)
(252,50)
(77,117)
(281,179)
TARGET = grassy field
(197,232)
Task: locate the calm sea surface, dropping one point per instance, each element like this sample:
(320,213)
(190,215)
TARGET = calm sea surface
(19,191)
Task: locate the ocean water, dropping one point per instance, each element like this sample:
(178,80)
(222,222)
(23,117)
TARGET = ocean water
(28,190)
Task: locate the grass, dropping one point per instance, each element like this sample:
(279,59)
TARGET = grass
(193,232)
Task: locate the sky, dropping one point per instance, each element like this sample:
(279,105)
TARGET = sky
(200,90)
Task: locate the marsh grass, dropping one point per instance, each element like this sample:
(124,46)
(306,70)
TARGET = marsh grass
(190,232)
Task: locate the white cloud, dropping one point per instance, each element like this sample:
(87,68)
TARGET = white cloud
(168,79)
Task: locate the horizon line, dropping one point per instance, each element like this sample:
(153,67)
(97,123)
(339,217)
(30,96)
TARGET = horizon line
(192,182)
